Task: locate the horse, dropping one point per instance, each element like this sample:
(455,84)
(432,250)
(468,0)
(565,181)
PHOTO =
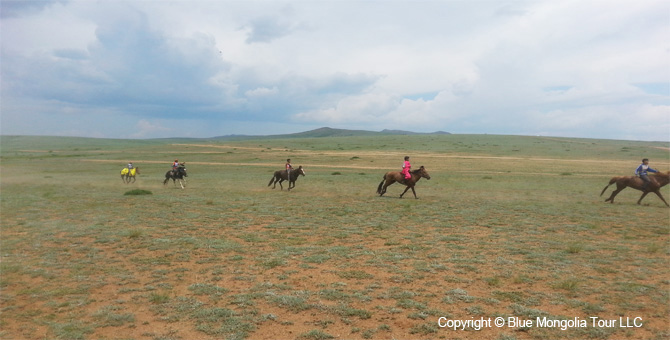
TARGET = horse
(127,175)
(280,176)
(396,176)
(175,175)
(657,181)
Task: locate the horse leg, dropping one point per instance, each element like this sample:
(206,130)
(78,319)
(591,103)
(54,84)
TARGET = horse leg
(386,185)
(611,198)
(181,182)
(407,188)
(280,181)
(615,192)
(644,193)
(658,193)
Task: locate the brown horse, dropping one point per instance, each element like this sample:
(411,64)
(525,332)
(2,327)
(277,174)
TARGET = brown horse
(396,176)
(658,181)
(280,176)
(128,175)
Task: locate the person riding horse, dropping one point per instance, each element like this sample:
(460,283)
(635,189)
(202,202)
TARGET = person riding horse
(176,165)
(177,174)
(641,172)
(406,168)
(128,173)
(288,167)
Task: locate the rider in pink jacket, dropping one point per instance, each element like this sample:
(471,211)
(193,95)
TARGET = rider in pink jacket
(405,168)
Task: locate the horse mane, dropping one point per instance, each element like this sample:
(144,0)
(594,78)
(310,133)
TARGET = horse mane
(417,170)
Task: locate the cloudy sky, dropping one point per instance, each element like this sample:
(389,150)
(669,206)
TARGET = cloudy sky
(146,69)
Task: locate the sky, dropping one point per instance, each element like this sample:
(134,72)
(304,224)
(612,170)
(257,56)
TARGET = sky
(202,68)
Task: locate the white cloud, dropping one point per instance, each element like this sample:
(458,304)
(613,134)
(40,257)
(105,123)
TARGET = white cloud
(145,128)
(538,67)
(262,92)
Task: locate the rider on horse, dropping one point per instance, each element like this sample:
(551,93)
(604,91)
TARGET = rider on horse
(406,167)
(641,172)
(176,165)
(289,167)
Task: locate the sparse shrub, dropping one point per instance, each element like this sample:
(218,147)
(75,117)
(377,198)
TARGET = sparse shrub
(575,248)
(493,281)
(355,274)
(570,285)
(207,289)
(425,328)
(158,298)
(134,234)
(272,263)
(136,192)
(316,334)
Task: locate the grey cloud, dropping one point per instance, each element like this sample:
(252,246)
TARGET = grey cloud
(17,8)
(129,66)
(267,29)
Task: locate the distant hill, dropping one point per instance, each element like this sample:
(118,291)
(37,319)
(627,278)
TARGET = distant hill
(402,132)
(330,132)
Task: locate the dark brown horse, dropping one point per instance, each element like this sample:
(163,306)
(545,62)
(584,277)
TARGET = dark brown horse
(280,176)
(658,181)
(396,176)
(176,175)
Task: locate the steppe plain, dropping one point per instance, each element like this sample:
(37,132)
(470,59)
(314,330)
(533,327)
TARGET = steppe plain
(507,227)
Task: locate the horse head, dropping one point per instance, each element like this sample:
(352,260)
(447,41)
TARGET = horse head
(182,170)
(422,172)
(301,171)
(663,178)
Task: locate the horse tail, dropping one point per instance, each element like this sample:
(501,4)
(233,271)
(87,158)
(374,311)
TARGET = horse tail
(612,181)
(272,179)
(379,188)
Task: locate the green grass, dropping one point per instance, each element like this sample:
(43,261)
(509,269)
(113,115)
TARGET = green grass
(507,226)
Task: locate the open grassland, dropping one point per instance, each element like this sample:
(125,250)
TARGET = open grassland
(506,227)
